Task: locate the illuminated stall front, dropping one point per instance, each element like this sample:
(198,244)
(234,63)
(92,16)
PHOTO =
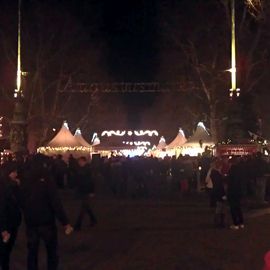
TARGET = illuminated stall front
(199,142)
(125,142)
(175,147)
(65,143)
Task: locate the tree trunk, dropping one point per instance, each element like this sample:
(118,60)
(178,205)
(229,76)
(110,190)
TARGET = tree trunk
(213,122)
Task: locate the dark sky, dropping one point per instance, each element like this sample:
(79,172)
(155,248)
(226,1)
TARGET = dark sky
(124,33)
(130,41)
(128,28)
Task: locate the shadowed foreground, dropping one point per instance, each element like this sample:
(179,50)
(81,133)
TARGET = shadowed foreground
(147,234)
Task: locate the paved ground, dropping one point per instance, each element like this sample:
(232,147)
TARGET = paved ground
(157,235)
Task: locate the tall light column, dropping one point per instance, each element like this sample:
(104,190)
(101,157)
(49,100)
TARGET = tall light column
(234,91)
(18,138)
(19,72)
(234,131)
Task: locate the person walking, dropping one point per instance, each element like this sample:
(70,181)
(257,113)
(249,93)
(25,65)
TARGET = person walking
(262,172)
(86,193)
(209,186)
(10,213)
(234,194)
(41,206)
(218,193)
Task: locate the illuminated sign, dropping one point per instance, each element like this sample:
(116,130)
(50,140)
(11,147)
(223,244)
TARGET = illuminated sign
(236,150)
(122,133)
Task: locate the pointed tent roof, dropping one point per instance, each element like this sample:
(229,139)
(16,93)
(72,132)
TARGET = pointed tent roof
(95,139)
(200,135)
(179,140)
(78,136)
(162,143)
(64,138)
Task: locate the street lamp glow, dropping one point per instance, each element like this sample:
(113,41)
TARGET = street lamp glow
(233,49)
(19,73)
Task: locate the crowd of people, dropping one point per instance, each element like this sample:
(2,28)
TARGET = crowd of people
(29,188)
(229,180)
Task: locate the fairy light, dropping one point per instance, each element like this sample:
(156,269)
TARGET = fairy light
(110,133)
(146,132)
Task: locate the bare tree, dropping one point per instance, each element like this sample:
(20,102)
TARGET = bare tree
(55,51)
(203,45)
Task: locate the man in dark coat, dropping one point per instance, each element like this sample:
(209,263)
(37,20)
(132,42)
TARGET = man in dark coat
(234,193)
(41,206)
(10,214)
(86,192)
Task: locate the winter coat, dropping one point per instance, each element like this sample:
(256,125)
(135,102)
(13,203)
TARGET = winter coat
(10,213)
(84,179)
(40,200)
(235,179)
(218,190)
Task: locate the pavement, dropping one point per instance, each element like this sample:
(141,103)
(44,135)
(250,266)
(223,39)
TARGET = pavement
(152,234)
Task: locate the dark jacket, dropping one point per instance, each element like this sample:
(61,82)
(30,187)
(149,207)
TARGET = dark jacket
(10,213)
(235,180)
(218,190)
(261,167)
(41,201)
(85,183)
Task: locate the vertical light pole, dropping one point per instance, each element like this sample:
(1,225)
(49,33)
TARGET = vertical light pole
(18,140)
(235,132)
(234,91)
(19,72)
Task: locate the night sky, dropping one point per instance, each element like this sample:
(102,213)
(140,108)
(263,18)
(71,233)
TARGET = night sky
(123,33)
(129,30)
(128,34)
(134,41)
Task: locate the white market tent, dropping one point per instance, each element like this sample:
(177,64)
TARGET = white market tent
(78,136)
(95,139)
(197,143)
(162,144)
(159,150)
(178,141)
(64,143)
(64,138)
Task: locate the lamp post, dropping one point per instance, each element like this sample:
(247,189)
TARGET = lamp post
(18,137)
(234,91)
(234,129)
